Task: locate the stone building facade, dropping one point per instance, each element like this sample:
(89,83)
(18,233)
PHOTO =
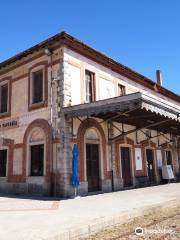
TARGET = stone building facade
(61,92)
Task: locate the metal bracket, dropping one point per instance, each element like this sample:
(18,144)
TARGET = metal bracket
(137,129)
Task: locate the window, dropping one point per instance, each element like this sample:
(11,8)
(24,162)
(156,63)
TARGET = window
(4,98)
(3,162)
(37,160)
(121,90)
(90,86)
(37,86)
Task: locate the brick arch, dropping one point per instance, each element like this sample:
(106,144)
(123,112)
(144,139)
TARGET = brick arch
(44,125)
(86,124)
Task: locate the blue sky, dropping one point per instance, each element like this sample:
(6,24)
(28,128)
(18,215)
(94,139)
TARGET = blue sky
(142,34)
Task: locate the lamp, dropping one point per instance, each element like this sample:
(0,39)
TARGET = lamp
(48,51)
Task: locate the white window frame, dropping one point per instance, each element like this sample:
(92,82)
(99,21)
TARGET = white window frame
(87,96)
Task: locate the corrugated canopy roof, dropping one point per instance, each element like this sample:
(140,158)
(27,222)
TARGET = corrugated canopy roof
(135,109)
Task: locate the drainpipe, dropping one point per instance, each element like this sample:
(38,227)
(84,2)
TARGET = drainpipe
(49,53)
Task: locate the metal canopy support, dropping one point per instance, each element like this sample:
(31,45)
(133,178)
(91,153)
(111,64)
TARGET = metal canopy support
(159,145)
(123,110)
(137,129)
(120,115)
(121,131)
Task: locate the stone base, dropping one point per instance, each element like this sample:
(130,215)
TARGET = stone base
(118,183)
(157,179)
(25,189)
(142,181)
(67,191)
(134,182)
(106,185)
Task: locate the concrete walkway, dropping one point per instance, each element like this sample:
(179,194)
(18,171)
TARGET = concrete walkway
(69,219)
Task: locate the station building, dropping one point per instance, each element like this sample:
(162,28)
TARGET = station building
(62,92)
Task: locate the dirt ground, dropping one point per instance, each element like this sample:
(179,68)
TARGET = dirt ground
(161,224)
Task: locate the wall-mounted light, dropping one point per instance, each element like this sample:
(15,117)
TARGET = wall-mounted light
(48,51)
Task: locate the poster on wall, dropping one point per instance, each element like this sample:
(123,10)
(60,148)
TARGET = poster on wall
(159,158)
(138,159)
(107,89)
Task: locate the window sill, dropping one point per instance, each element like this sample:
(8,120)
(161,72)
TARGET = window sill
(4,115)
(35,106)
(36,179)
(3,179)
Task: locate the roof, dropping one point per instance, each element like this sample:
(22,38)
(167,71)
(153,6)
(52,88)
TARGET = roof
(74,44)
(135,109)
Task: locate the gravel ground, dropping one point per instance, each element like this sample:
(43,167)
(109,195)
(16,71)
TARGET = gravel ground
(160,224)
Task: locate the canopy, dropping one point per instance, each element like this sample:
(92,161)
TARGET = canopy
(137,109)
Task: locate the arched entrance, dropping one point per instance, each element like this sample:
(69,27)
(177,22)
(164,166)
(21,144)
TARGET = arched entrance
(150,160)
(125,160)
(37,157)
(92,154)
(92,146)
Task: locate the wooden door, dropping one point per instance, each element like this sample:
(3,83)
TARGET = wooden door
(92,166)
(150,164)
(126,166)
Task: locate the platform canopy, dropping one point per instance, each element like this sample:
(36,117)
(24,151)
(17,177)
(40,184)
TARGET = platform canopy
(137,109)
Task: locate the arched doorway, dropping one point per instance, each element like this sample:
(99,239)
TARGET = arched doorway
(150,161)
(92,146)
(125,155)
(92,154)
(37,157)
(36,146)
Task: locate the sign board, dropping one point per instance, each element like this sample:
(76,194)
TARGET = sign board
(11,123)
(107,88)
(159,158)
(138,159)
(167,172)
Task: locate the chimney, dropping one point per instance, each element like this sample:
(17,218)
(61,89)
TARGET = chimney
(159,77)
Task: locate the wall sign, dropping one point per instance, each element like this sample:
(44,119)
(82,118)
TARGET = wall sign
(12,123)
(138,159)
(159,158)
